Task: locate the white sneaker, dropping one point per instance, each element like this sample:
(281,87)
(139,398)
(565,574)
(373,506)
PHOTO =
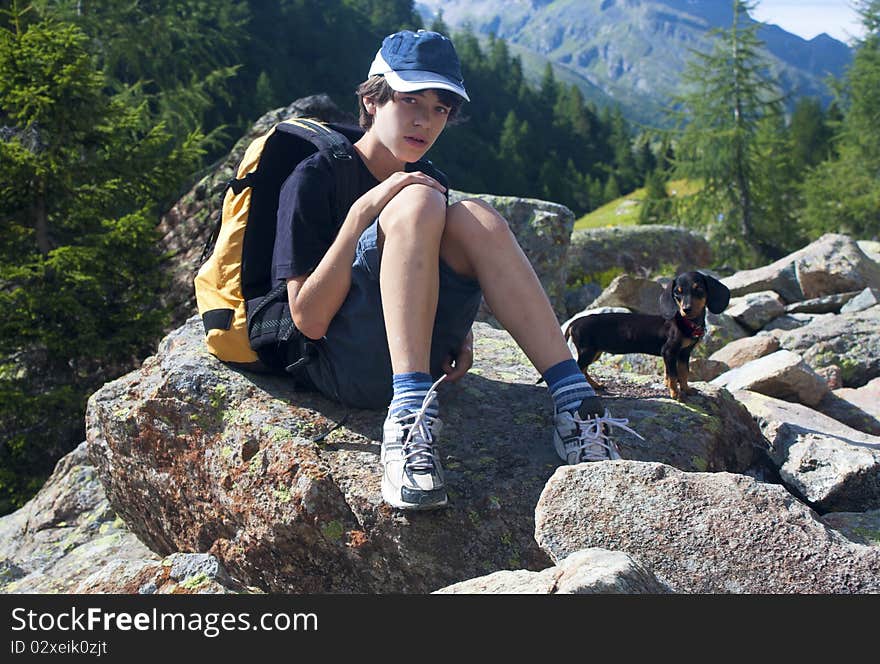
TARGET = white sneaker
(584,436)
(412,476)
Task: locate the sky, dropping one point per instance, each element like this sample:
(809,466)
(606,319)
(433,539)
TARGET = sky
(809,18)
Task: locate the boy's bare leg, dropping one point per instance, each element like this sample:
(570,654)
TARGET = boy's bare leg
(410,228)
(478,243)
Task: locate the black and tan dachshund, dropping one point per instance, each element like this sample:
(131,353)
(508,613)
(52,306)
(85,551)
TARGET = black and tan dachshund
(672,335)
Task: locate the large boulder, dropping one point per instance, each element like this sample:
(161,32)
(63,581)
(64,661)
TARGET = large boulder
(742,351)
(721,330)
(849,341)
(590,572)
(636,250)
(832,264)
(866,397)
(65,533)
(198,457)
(701,532)
(828,464)
(754,310)
(827,304)
(177,574)
(781,374)
(634,293)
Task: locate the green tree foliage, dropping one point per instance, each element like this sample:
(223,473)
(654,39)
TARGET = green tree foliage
(80,173)
(843,194)
(810,134)
(179,56)
(656,207)
(728,94)
(521,141)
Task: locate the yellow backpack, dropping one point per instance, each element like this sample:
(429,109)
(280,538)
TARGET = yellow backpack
(242,311)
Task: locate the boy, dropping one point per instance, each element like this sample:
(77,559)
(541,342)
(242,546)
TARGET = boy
(389,294)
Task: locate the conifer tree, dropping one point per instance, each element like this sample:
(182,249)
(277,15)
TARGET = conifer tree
(843,194)
(80,174)
(727,93)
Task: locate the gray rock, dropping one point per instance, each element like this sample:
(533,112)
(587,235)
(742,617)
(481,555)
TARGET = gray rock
(741,351)
(859,527)
(288,515)
(179,574)
(710,431)
(634,293)
(849,413)
(870,297)
(581,297)
(871,249)
(701,532)
(866,397)
(788,322)
(832,375)
(829,304)
(634,250)
(64,533)
(754,310)
(830,465)
(702,369)
(849,341)
(589,572)
(782,374)
(721,329)
(832,264)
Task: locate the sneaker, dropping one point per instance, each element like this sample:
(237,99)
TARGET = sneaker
(412,476)
(584,435)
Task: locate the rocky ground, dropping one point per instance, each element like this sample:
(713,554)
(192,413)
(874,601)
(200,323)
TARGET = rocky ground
(199,478)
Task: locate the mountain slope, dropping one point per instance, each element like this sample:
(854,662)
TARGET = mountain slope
(635,50)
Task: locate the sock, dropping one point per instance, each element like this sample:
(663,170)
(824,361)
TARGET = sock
(567,385)
(410,390)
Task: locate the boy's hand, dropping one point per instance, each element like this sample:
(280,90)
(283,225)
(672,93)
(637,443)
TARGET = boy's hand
(458,366)
(375,200)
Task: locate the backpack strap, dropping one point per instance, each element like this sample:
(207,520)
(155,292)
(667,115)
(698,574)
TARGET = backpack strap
(344,161)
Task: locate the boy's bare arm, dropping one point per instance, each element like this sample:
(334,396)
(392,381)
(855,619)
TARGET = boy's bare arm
(315,298)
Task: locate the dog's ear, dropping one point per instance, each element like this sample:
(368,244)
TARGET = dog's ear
(718,295)
(668,307)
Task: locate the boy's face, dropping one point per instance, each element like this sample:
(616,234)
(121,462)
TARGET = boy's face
(409,124)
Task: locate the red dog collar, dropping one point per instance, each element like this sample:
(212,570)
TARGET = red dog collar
(690,328)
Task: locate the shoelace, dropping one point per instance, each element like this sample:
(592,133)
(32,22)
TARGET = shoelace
(419,450)
(594,432)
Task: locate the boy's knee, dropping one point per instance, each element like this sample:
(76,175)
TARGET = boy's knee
(414,206)
(475,216)
(416,198)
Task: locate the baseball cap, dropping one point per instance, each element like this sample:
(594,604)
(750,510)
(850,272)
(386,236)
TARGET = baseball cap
(412,61)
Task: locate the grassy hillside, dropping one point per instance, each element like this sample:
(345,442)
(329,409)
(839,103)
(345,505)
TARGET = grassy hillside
(624,211)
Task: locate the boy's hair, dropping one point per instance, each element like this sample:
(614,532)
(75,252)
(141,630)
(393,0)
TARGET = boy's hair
(377,89)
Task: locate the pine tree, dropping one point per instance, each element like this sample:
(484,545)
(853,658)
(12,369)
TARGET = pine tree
(728,92)
(843,194)
(80,174)
(656,206)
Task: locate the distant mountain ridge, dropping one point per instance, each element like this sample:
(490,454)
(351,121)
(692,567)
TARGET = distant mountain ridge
(634,51)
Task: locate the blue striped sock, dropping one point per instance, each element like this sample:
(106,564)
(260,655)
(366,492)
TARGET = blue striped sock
(410,390)
(567,385)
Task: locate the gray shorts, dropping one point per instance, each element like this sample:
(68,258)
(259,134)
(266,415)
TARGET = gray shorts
(353,363)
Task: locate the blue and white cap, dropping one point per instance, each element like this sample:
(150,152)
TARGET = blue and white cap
(412,61)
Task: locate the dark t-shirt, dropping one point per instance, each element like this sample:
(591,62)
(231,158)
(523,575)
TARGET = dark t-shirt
(306,220)
(306,225)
